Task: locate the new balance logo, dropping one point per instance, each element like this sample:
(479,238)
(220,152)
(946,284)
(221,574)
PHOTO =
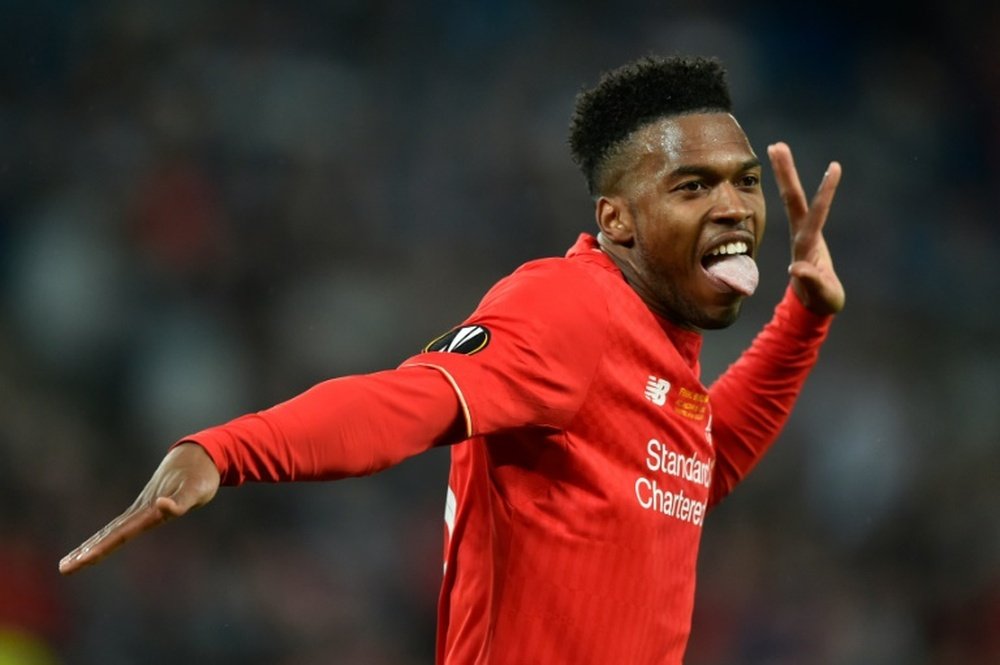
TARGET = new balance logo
(656,390)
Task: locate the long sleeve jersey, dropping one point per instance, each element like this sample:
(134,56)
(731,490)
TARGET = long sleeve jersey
(586,456)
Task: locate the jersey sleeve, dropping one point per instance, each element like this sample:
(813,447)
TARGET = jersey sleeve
(528,354)
(752,399)
(351,426)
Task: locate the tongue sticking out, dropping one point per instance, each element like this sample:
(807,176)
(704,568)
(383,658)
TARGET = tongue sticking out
(738,272)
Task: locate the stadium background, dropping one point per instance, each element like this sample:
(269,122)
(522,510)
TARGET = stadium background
(207,207)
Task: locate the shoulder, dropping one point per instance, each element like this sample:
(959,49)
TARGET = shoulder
(558,278)
(549,299)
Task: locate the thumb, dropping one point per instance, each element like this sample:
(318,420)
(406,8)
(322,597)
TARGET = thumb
(805,271)
(173,506)
(183,499)
(818,290)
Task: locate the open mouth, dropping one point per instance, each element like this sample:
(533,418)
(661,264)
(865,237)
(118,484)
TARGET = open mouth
(730,266)
(719,253)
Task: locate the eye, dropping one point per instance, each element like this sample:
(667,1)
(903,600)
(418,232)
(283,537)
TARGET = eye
(691,186)
(748,180)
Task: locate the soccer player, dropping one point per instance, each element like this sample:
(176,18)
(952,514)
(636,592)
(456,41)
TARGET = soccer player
(586,453)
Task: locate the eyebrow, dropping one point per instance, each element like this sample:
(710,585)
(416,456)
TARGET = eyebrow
(708,171)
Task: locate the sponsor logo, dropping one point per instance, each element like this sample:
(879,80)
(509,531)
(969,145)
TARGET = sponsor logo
(674,484)
(464,339)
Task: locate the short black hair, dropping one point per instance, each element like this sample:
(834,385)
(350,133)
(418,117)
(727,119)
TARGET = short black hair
(637,94)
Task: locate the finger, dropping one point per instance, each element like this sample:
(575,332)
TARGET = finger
(110,527)
(821,203)
(787,178)
(807,232)
(819,290)
(119,531)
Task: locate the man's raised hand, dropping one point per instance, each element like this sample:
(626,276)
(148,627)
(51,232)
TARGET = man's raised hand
(812,275)
(186,478)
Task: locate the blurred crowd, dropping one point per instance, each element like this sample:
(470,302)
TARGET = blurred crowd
(206,207)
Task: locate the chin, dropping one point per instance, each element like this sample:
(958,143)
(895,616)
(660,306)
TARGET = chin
(702,311)
(722,318)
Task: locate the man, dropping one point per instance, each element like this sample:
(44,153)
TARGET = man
(586,451)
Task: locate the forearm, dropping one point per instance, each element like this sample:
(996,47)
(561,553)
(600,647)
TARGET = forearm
(752,400)
(352,426)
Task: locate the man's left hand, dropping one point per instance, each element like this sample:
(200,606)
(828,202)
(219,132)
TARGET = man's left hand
(812,275)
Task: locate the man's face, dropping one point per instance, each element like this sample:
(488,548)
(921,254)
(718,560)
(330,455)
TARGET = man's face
(693,188)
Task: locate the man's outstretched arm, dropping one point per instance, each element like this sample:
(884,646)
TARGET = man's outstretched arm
(343,427)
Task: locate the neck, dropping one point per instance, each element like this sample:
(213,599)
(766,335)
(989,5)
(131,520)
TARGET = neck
(622,257)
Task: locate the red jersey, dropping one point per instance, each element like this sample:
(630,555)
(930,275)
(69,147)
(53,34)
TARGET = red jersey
(592,455)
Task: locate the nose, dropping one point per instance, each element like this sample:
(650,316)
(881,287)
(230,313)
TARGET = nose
(729,207)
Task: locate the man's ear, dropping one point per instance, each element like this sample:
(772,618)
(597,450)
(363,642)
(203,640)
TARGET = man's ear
(614,220)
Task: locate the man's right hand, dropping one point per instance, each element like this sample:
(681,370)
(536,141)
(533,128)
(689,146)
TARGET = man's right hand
(186,478)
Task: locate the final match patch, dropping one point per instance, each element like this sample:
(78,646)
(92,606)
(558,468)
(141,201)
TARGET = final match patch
(464,339)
